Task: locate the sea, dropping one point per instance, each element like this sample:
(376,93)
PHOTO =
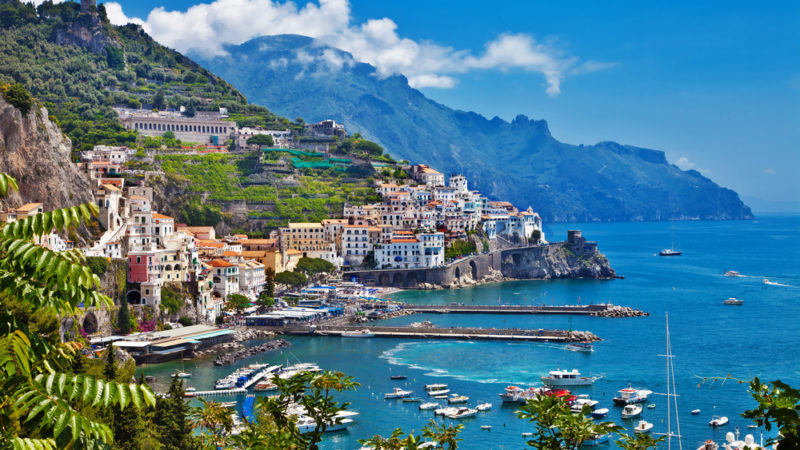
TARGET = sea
(717,348)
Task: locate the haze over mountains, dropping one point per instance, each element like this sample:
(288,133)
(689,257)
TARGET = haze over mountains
(296,76)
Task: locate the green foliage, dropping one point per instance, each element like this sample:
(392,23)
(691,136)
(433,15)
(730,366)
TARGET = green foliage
(18,96)
(638,441)
(124,318)
(556,428)
(460,247)
(115,58)
(261,139)
(314,266)
(185,321)
(237,302)
(536,236)
(265,301)
(98,264)
(169,134)
(172,419)
(292,279)
(269,278)
(171,297)
(779,406)
(485,245)
(445,436)
(197,213)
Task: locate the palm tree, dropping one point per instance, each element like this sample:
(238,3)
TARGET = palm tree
(215,420)
(38,391)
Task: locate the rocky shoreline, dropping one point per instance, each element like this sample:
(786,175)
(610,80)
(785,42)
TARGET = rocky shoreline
(620,311)
(230,358)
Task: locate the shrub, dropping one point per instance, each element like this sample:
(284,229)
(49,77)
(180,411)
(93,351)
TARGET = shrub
(17,95)
(98,264)
(185,321)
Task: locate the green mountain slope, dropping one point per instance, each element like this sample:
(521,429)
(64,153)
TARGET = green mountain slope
(517,160)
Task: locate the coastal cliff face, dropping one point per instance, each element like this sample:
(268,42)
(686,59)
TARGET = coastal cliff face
(35,152)
(558,260)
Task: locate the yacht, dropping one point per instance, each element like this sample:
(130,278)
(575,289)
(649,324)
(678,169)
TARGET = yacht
(397,393)
(514,394)
(600,413)
(585,347)
(455,398)
(428,405)
(732,273)
(435,386)
(732,301)
(444,411)
(718,421)
(183,375)
(631,411)
(462,413)
(669,252)
(365,333)
(567,378)
(307,424)
(439,392)
(577,405)
(484,406)
(643,427)
(630,395)
(695,412)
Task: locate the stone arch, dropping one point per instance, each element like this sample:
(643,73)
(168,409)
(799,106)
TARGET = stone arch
(397,279)
(458,273)
(474,269)
(134,297)
(90,324)
(411,279)
(383,279)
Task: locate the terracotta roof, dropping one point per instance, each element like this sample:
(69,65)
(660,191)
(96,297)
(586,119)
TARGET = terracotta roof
(110,187)
(292,251)
(254,253)
(240,236)
(404,241)
(221,263)
(28,207)
(161,216)
(257,241)
(230,253)
(305,225)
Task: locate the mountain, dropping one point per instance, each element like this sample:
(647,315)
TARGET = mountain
(518,160)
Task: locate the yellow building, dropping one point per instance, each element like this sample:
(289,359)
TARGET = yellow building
(304,237)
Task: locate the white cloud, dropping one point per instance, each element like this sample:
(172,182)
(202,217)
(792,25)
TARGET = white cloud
(206,27)
(769,171)
(684,164)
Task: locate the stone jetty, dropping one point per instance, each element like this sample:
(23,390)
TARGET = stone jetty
(619,311)
(230,358)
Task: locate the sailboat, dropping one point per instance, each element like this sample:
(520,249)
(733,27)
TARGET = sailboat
(670,251)
(672,396)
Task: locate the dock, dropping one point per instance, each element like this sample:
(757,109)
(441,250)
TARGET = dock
(236,391)
(495,334)
(599,309)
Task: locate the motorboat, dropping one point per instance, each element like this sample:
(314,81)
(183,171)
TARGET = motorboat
(454,399)
(462,413)
(567,378)
(732,301)
(643,427)
(568,396)
(732,273)
(631,411)
(228,404)
(435,386)
(718,421)
(397,393)
(265,386)
(363,333)
(695,412)
(585,347)
(630,395)
(599,413)
(190,389)
(397,377)
(577,405)
(669,252)
(307,424)
(595,440)
(412,400)
(428,405)
(709,445)
(441,397)
(444,411)
(439,392)
(514,394)
(527,434)
(486,427)
(651,406)
(183,375)
(484,406)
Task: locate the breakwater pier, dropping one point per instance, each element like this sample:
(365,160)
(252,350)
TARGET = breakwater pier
(495,334)
(600,309)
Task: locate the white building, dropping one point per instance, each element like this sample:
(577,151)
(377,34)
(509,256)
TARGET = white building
(355,243)
(251,278)
(399,253)
(432,249)
(225,277)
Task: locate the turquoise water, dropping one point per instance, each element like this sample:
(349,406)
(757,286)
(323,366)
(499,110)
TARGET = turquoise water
(709,339)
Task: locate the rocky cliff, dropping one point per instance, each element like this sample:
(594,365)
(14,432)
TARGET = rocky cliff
(37,154)
(557,260)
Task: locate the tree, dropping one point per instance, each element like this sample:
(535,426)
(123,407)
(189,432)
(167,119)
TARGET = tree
(215,423)
(38,393)
(124,318)
(115,57)
(778,405)
(125,423)
(237,302)
(159,100)
(264,301)
(292,279)
(172,418)
(261,140)
(638,441)
(460,247)
(536,236)
(314,266)
(169,134)
(17,95)
(445,436)
(556,427)
(269,279)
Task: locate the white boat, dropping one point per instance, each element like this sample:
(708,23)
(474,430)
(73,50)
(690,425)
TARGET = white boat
(428,405)
(718,421)
(462,413)
(732,301)
(307,424)
(439,392)
(190,389)
(265,386)
(484,406)
(365,333)
(444,411)
(586,347)
(397,393)
(651,406)
(600,413)
(486,427)
(435,386)
(457,399)
(631,395)
(228,404)
(514,394)
(567,378)
(577,405)
(441,397)
(732,273)
(771,283)
(643,427)
(631,411)
(183,375)
(695,412)
(669,252)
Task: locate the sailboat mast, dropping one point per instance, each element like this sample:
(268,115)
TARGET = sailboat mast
(668,358)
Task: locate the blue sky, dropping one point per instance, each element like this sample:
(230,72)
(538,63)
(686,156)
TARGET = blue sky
(714,84)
